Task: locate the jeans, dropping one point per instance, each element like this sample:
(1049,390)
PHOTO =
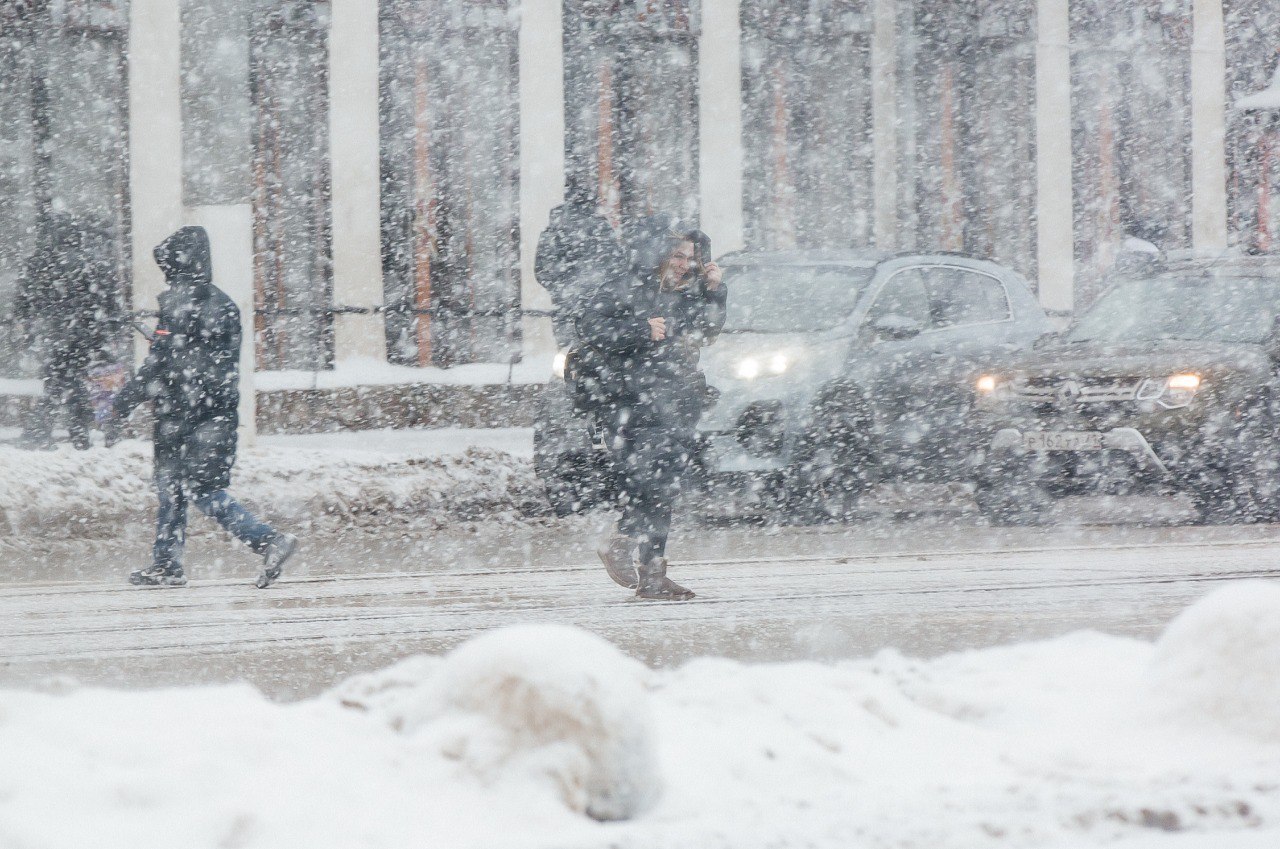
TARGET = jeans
(171,521)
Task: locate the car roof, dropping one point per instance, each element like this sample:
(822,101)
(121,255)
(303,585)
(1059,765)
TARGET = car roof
(1239,265)
(850,257)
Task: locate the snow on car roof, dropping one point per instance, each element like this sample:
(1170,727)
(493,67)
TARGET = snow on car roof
(860,258)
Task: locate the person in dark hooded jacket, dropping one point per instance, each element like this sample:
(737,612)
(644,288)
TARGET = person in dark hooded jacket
(577,253)
(71,310)
(645,332)
(191,377)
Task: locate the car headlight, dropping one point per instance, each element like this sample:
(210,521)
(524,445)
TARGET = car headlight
(990,389)
(1176,390)
(557,364)
(770,365)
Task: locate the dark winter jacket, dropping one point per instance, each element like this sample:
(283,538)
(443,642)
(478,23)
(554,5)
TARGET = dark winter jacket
(577,253)
(71,300)
(192,372)
(643,382)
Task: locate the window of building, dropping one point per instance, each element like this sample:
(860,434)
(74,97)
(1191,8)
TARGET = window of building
(806,70)
(450,180)
(631,104)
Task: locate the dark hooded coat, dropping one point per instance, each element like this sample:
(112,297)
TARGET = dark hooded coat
(192,373)
(577,253)
(643,383)
(71,299)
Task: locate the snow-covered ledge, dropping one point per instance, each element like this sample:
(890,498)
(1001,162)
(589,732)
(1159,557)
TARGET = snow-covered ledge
(1266,100)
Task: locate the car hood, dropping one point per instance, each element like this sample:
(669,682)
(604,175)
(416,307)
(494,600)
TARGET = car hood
(1140,359)
(813,362)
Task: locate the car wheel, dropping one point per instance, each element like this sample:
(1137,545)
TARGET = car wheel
(838,468)
(1243,486)
(576,483)
(1226,495)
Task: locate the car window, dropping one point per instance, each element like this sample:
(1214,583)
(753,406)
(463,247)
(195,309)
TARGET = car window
(904,296)
(1182,306)
(792,299)
(959,296)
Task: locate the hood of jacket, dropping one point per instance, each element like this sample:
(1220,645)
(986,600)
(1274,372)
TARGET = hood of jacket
(651,241)
(186,259)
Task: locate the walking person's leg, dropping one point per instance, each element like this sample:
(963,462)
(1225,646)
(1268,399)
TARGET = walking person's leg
(663,458)
(274,546)
(171,534)
(617,551)
(37,431)
(76,403)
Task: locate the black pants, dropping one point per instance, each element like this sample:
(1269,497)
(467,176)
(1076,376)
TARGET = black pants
(651,463)
(65,383)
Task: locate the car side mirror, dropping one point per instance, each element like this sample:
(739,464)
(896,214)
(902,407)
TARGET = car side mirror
(895,328)
(1046,339)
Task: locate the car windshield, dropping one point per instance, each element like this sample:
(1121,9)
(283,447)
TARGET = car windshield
(1219,309)
(792,299)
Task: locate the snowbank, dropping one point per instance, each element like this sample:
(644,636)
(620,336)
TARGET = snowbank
(519,738)
(539,700)
(1220,661)
(97,490)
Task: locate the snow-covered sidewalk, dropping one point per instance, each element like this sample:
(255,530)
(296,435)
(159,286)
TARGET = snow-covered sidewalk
(546,736)
(449,473)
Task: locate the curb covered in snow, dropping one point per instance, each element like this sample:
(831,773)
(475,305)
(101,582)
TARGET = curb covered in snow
(95,491)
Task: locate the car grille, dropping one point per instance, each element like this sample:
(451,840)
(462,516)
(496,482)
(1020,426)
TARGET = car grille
(1075,392)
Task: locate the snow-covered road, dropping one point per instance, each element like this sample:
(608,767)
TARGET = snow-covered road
(807,593)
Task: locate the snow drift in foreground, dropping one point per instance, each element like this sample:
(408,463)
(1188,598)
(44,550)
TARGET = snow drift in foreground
(545,736)
(96,490)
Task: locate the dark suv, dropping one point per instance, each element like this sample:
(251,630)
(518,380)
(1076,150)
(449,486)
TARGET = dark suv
(1168,382)
(835,370)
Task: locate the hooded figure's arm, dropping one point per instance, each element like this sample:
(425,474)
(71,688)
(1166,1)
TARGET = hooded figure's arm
(139,386)
(609,321)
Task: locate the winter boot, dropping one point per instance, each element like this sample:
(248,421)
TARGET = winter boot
(279,550)
(655,584)
(616,553)
(158,576)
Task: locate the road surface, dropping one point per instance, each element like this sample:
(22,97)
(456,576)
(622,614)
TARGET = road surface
(357,600)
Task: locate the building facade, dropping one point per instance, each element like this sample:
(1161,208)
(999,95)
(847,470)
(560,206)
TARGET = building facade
(375,172)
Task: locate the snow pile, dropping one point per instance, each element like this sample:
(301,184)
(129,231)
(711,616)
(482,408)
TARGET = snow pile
(527,736)
(1220,661)
(97,490)
(531,700)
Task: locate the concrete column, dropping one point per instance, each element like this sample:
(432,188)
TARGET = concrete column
(541,153)
(1208,127)
(884,122)
(354,169)
(155,140)
(720,124)
(1054,216)
(230,230)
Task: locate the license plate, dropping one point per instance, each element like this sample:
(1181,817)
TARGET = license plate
(1069,440)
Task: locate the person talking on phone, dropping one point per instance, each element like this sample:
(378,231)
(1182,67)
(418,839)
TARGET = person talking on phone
(647,329)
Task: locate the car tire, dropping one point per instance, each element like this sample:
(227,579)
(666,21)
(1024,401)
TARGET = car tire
(576,483)
(838,466)
(1242,487)
(1224,496)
